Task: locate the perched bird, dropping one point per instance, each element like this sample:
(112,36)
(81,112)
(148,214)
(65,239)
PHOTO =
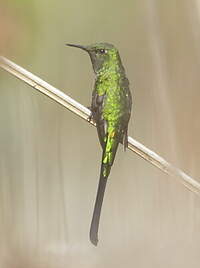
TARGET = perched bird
(110,109)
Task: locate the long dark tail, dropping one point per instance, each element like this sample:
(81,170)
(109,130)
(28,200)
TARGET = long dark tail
(108,156)
(94,227)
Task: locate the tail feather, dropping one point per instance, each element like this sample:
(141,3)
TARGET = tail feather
(97,208)
(108,156)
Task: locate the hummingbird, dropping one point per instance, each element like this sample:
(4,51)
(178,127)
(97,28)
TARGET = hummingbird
(110,110)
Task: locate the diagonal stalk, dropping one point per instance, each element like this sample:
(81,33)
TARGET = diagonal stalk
(83,112)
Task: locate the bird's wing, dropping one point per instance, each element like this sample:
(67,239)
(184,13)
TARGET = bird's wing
(97,115)
(127,114)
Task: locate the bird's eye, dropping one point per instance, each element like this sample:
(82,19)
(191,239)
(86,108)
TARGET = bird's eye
(101,51)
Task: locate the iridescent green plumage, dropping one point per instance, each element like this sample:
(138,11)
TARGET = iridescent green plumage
(111,108)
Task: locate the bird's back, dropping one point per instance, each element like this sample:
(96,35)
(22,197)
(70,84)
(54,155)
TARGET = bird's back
(116,105)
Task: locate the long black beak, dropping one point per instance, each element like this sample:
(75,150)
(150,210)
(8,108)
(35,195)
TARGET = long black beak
(78,46)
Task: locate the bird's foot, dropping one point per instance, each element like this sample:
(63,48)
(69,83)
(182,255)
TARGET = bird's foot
(90,117)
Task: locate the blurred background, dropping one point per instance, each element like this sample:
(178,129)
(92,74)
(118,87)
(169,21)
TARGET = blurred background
(50,159)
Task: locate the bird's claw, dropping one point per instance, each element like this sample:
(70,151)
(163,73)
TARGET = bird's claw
(89,119)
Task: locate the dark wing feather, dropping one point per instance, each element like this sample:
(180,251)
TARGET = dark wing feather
(127,112)
(96,108)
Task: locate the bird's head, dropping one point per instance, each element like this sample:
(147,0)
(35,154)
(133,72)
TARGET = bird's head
(103,55)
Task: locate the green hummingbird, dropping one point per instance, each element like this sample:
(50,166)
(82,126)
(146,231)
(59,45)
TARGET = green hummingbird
(110,110)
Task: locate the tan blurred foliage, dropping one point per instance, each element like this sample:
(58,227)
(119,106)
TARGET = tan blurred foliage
(49,158)
(14,29)
(9,29)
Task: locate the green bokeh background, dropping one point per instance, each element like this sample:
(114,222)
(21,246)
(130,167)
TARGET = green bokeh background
(49,158)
